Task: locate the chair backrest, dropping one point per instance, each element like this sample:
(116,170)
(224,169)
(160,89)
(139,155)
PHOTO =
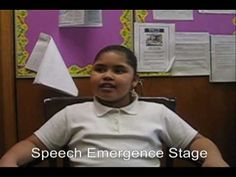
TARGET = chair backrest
(54,104)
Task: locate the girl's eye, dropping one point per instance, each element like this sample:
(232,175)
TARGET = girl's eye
(99,69)
(119,70)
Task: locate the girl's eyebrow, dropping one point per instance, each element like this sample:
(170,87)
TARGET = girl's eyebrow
(99,64)
(118,65)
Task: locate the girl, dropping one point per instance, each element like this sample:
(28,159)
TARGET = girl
(115,129)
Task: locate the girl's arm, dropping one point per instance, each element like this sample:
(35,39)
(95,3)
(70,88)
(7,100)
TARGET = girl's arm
(21,153)
(214,157)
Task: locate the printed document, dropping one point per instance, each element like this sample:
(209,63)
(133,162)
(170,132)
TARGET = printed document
(47,61)
(80,18)
(192,54)
(154,45)
(223,58)
(218,11)
(172,14)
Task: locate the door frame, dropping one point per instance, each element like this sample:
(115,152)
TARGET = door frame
(8,121)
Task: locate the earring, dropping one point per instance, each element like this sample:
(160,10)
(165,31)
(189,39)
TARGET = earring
(133,93)
(140,82)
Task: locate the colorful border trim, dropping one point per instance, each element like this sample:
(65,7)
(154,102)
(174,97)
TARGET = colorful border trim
(140,15)
(234,23)
(21,41)
(126,32)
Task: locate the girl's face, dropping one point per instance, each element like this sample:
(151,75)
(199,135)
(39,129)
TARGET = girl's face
(112,79)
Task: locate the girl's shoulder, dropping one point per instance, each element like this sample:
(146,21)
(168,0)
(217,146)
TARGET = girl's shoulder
(150,105)
(83,105)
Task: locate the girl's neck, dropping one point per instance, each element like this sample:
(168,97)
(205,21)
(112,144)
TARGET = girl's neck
(117,103)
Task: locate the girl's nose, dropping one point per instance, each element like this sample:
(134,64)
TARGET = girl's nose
(108,75)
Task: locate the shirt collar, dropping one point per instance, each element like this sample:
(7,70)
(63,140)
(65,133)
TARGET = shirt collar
(101,109)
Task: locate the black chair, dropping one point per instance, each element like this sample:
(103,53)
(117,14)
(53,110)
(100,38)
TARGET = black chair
(55,104)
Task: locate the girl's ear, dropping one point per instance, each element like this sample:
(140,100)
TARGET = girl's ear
(135,81)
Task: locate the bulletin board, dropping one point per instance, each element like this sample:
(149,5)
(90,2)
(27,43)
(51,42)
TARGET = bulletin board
(202,22)
(77,45)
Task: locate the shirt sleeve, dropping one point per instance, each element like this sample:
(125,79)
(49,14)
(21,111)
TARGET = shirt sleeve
(54,133)
(177,133)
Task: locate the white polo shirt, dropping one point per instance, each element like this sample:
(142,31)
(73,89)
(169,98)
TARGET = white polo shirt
(98,135)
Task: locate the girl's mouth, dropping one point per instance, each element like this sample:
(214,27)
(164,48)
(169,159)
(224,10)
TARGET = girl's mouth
(107,86)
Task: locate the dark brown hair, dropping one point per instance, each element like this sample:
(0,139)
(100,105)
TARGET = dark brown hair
(131,58)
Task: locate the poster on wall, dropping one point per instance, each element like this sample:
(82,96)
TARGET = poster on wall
(192,52)
(80,18)
(218,11)
(154,46)
(223,61)
(173,14)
